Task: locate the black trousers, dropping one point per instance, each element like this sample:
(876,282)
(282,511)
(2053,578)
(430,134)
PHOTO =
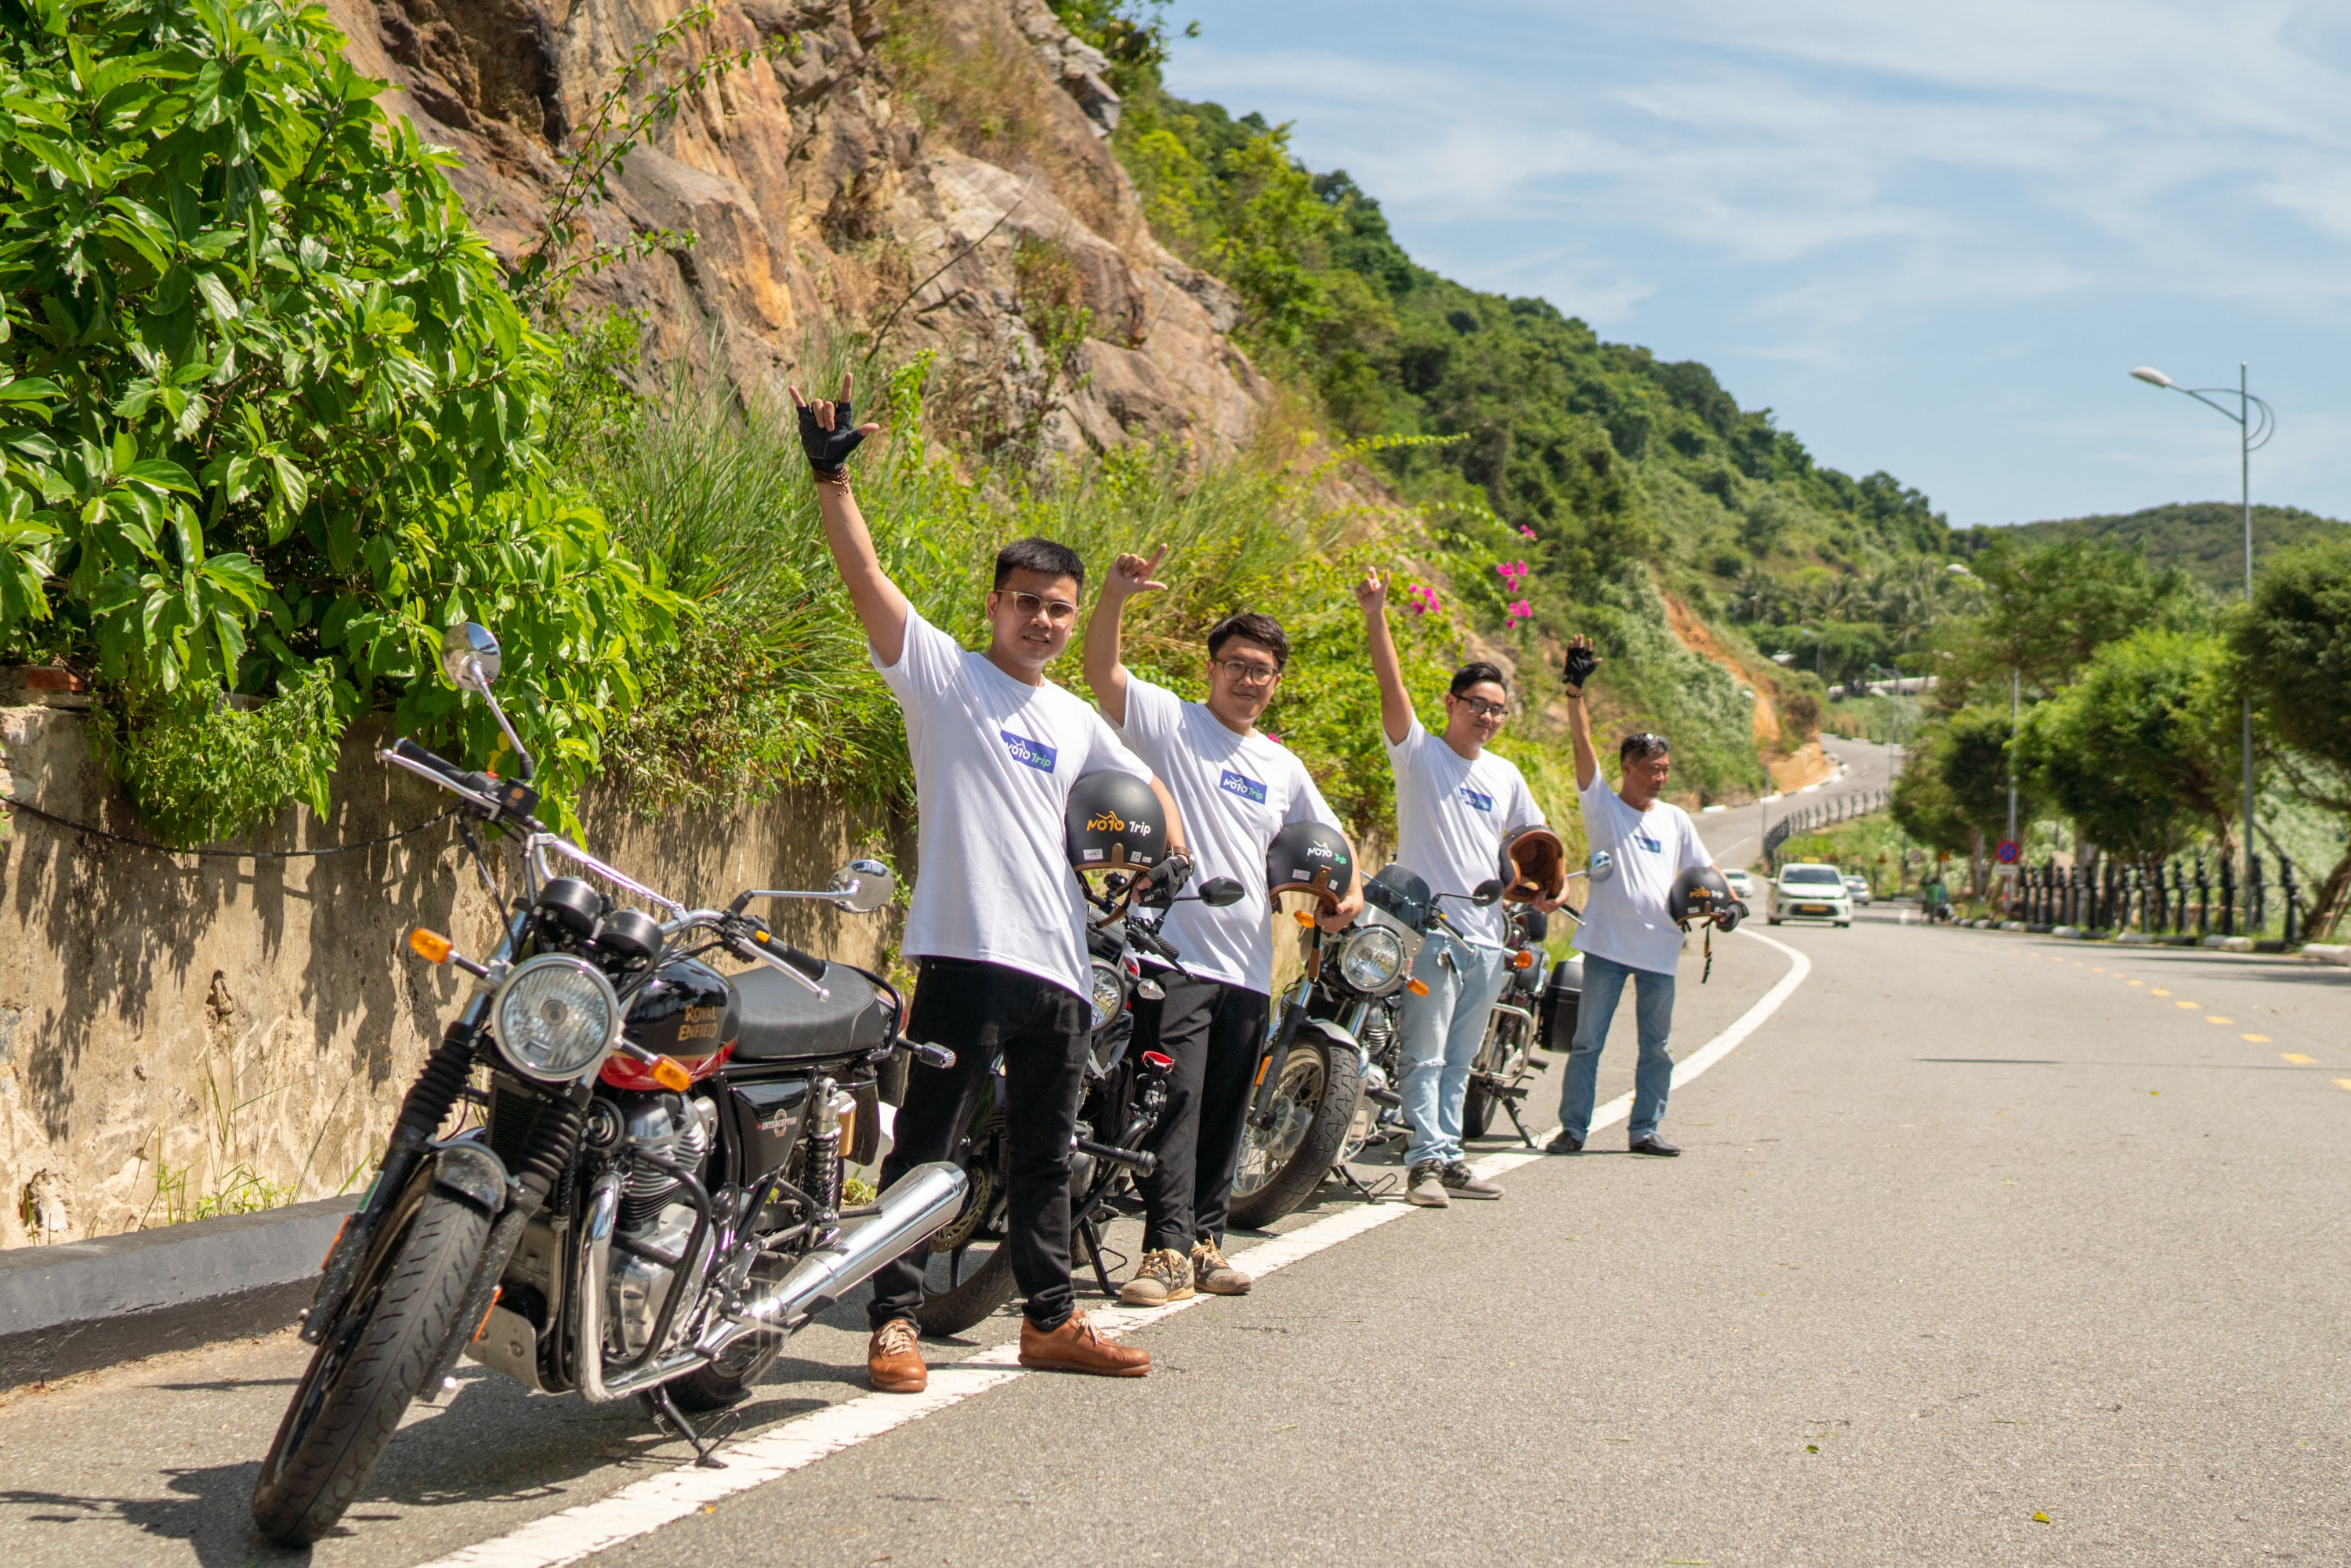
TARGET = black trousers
(982,1011)
(1214,1032)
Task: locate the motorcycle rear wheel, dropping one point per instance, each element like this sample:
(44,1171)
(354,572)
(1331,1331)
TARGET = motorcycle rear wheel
(363,1374)
(1281,1166)
(968,1267)
(1477,1110)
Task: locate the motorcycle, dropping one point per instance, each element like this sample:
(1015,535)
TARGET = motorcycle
(968,1273)
(652,1201)
(1506,1059)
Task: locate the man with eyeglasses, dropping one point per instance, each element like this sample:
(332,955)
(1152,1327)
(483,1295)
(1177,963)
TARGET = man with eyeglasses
(998,926)
(1239,788)
(1629,936)
(1457,804)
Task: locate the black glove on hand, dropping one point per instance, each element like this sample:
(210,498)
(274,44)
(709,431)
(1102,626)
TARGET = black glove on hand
(1580,664)
(1164,881)
(828,450)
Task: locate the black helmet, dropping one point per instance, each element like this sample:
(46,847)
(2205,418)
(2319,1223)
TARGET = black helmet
(1114,823)
(1307,857)
(1534,864)
(1700,893)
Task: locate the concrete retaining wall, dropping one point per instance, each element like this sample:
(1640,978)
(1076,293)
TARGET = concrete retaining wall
(174,1029)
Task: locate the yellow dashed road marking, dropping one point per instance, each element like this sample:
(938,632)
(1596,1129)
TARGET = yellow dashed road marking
(2215,1018)
(2296,1056)
(2342,1084)
(2158,991)
(2134,982)
(2264,1039)
(2187,1004)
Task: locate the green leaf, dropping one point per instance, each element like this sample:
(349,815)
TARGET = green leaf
(217,298)
(162,474)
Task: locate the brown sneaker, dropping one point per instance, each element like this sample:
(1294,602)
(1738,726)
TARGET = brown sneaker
(893,1364)
(1424,1187)
(1075,1347)
(1213,1274)
(1164,1276)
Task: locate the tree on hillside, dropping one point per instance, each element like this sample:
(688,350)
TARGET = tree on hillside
(2295,649)
(1953,792)
(2048,609)
(2140,753)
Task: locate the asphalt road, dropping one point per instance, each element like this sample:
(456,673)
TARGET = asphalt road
(1735,836)
(1985,1248)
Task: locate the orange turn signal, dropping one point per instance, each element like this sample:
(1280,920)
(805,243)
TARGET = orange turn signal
(1303,918)
(429,945)
(338,1241)
(670,1075)
(493,1307)
(1417,986)
(1523,959)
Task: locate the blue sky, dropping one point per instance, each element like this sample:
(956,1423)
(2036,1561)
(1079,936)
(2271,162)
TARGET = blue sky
(1931,237)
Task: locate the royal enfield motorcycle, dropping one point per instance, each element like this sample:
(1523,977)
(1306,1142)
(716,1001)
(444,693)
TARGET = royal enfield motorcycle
(1506,1063)
(652,1199)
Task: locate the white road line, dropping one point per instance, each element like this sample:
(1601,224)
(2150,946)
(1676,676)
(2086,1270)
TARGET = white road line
(644,1507)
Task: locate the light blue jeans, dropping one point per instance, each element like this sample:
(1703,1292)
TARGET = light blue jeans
(1653,1011)
(1437,1038)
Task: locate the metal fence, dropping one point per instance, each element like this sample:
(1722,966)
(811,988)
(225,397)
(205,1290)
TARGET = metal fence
(1822,814)
(2183,896)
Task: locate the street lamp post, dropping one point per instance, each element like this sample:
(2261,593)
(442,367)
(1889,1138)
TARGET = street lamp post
(2256,422)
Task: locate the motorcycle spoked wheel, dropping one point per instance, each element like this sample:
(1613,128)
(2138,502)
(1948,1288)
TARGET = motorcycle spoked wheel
(1510,1056)
(1313,1114)
(968,1269)
(363,1374)
(726,1383)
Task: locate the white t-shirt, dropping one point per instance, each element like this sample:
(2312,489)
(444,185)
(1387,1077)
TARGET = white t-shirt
(995,759)
(1625,918)
(1235,791)
(1452,816)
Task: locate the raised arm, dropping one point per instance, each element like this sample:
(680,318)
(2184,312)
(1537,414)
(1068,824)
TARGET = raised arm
(1395,703)
(1580,664)
(1128,575)
(828,434)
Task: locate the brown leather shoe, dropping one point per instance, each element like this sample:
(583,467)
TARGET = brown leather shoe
(893,1364)
(1075,1347)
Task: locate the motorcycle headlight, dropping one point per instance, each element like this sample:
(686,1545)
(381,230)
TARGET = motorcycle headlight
(1108,996)
(1372,959)
(556,1017)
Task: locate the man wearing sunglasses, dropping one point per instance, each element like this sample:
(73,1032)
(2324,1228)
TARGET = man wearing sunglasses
(1630,935)
(1238,788)
(1456,804)
(998,926)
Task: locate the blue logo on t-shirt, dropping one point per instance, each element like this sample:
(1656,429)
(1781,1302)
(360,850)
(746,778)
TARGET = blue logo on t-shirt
(1648,844)
(1035,753)
(1246,788)
(1478,802)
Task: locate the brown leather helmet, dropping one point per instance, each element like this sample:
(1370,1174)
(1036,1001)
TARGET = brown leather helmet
(1534,865)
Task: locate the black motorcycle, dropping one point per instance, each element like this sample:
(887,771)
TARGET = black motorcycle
(1505,1065)
(968,1273)
(652,1199)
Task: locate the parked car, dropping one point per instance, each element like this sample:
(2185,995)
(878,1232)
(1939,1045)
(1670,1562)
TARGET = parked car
(1809,891)
(1742,886)
(1858,886)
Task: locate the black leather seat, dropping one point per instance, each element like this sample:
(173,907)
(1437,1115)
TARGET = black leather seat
(783,1020)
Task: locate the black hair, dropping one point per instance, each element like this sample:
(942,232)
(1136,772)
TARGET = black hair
(1262,630)
(1039,555)
(1642,747)
(1475,672)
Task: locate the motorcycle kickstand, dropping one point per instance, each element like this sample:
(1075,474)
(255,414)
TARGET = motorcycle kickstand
(1512,1107)
(1092,1236)
(1354,1183)
(667,1413)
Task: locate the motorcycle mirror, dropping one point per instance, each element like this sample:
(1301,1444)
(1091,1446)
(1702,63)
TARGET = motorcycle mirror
(470,658)
(1218,892)
(1601,866)
(862,886)
(1487,892)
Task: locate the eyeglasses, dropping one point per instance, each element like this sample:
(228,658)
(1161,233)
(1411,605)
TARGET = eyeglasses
(1480,709)
(1244,673)
(1059,611)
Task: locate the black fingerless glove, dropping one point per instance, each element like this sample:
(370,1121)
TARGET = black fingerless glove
(1163,881)
(828,450)
(1580,664)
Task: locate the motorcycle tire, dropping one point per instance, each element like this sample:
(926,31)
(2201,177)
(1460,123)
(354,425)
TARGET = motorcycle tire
(1336,1086)
(362,1378)
(1477,1110)
(990,1285)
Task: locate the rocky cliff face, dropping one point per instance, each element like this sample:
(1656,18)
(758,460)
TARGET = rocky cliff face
(1006,241)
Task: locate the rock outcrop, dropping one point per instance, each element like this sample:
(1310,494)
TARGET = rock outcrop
(826,188)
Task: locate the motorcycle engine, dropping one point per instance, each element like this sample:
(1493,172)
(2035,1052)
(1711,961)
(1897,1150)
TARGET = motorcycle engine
(652,1218)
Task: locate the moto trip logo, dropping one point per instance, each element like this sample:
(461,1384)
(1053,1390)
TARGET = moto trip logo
(1480,802)
(1036,754)
(1645,842)
(1248,788)
(1106,822)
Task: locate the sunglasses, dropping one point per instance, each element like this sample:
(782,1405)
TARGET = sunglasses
(1644,745)
(1243,673)
(1059,611)
(1480,709)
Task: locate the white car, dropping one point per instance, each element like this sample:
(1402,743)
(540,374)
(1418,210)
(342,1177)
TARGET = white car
(1742,886)
(1808,892)
(1859,887)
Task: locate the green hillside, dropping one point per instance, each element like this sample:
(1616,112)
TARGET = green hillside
(2204,539)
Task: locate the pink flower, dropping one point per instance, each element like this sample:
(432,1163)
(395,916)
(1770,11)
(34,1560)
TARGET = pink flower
(1526,530)
(1520,611)
(1420,599)
(1513,574)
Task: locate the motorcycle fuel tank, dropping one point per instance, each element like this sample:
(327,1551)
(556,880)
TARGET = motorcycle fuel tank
(687,1010)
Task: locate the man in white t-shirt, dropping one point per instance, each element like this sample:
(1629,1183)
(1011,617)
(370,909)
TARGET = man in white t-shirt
(1457,805)
(1237,788)
(1627,936)
(997,924)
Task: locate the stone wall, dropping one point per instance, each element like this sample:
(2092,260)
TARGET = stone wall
(219,1022)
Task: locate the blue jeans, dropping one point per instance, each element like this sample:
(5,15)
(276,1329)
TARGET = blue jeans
(1653,1010)
(1437,1038)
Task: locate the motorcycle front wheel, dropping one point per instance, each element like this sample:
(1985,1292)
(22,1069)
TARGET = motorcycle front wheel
(367,1369)
(1313,1113)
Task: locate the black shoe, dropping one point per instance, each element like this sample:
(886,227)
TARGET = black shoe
(1654,1144)
(1565,1144)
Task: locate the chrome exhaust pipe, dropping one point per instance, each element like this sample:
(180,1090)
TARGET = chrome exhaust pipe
(917,1205)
